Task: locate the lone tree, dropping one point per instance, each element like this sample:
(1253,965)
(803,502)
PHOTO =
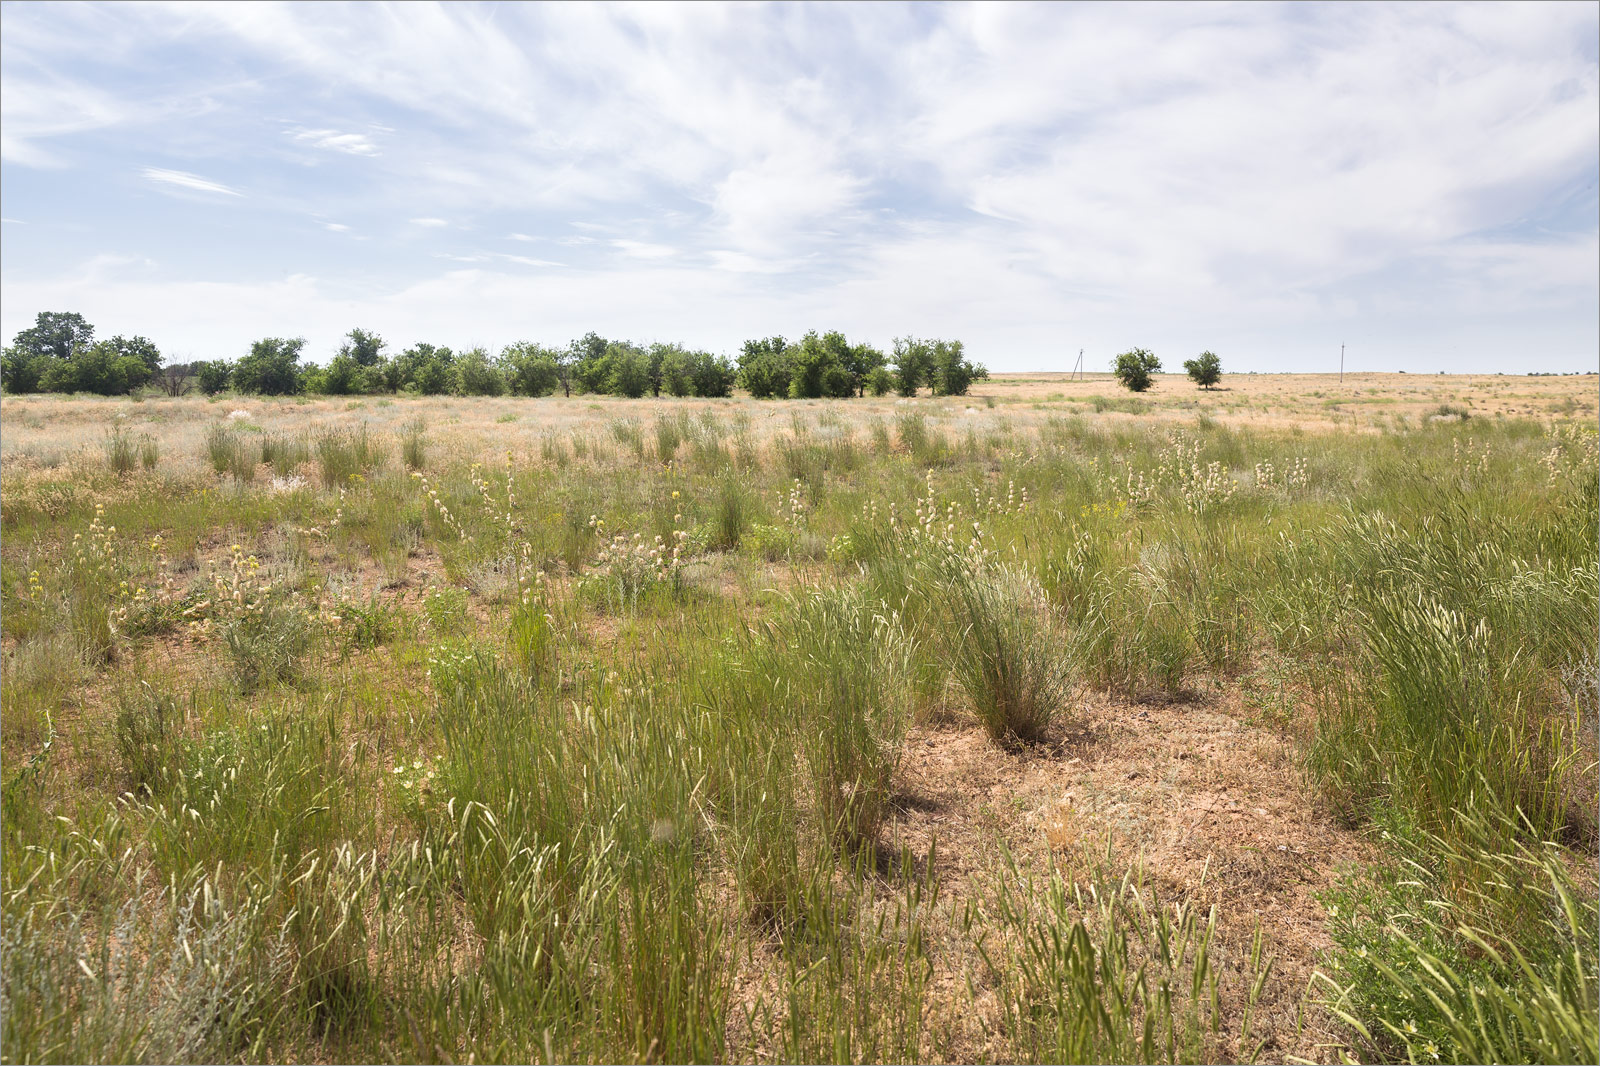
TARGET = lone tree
(1204,369)
(1134,367)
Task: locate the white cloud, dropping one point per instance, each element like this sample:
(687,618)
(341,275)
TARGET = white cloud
(334,141)
(336,227)
(744,263)
(36,110)
(1011,172)
(491,257)
(182,179)
(643,249)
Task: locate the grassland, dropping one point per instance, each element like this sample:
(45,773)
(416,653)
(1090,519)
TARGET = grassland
(1043,724)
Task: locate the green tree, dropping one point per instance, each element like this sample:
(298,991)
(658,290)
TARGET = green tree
(630,370)
(341,377)
(55,333)
(213,375)
(1204,369)
(140,348)
(20,370)
(677,370)
(913,361)
(564,361)
(1134,367)
(59,354)
(591,363)
(272,368)
(882,381)
(435,375)
(818,369)
(100,368)
(56,374)
(655,355)
(714,375)
(531,369)
(951,372)
(421,368)
(363,347)
(861,360)
(475,375)
(765,367)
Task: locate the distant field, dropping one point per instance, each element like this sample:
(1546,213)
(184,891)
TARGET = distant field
(53,427)
(1370,400)
(1049,723)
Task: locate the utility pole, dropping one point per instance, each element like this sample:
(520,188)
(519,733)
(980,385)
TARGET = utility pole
(1341,363)
(1077,367)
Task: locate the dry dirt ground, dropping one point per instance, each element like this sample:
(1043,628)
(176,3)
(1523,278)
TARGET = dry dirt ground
(1198,800)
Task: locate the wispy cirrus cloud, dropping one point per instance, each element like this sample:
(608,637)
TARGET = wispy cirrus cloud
(496,257)
(182,179)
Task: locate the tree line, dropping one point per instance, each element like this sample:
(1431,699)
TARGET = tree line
(59,354)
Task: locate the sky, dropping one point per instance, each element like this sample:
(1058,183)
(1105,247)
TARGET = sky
(1417,182)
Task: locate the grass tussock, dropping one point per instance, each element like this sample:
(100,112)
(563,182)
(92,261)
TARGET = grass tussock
(1007,653)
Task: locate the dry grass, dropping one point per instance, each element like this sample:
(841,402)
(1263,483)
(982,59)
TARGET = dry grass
(1195,784)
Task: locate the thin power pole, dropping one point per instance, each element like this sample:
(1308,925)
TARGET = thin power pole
(1077,368)
(1341,364)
